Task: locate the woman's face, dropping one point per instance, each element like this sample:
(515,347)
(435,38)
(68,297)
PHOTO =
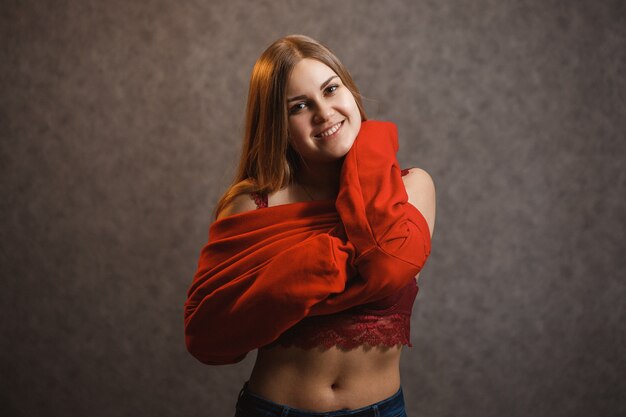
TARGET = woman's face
(323,116)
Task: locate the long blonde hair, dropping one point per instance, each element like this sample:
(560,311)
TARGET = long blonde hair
(268,162)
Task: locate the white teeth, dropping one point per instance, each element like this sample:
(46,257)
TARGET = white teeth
(330,131)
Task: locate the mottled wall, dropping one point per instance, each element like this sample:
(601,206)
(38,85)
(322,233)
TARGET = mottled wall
(120,123)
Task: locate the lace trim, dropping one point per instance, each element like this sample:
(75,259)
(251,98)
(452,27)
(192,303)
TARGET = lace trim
(260,200)
(347,331)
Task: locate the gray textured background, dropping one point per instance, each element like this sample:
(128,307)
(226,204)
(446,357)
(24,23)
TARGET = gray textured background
(120,124)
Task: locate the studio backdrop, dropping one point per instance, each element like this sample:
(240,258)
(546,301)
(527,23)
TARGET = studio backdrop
(120,126)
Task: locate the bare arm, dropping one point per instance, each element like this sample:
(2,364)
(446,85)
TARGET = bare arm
(421,190)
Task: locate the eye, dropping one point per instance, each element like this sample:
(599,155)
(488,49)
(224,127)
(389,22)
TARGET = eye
(297,107)
(332,88)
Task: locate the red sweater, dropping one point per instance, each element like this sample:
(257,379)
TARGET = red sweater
(263,271)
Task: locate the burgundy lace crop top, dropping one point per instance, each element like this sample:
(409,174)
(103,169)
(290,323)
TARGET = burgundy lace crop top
(384,322)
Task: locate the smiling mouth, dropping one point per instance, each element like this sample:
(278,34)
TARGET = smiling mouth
(330,131)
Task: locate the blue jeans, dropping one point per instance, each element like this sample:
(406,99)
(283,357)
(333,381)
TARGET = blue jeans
(251,405)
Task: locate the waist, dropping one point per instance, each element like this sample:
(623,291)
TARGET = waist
(324,380)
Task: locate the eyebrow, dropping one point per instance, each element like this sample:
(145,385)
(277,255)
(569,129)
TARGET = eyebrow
(324,84)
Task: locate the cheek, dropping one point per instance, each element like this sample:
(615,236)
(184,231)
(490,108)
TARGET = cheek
(349,103)
(350,108)
(297,132)
(295,126)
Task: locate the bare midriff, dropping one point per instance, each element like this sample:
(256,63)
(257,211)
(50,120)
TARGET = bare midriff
(322,380)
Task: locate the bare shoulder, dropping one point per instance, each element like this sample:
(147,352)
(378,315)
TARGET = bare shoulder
(420,188)
(239,204)
(418,180)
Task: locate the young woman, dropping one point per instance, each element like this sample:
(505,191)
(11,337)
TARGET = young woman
(316,248)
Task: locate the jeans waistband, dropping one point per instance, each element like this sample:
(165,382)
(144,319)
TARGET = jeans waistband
(251,402)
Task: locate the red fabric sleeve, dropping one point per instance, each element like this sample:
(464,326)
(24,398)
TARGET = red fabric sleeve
(258,305)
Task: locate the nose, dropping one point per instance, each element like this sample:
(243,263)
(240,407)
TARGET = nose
(324,111)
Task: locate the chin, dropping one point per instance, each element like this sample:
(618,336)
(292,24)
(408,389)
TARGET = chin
(339,151)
